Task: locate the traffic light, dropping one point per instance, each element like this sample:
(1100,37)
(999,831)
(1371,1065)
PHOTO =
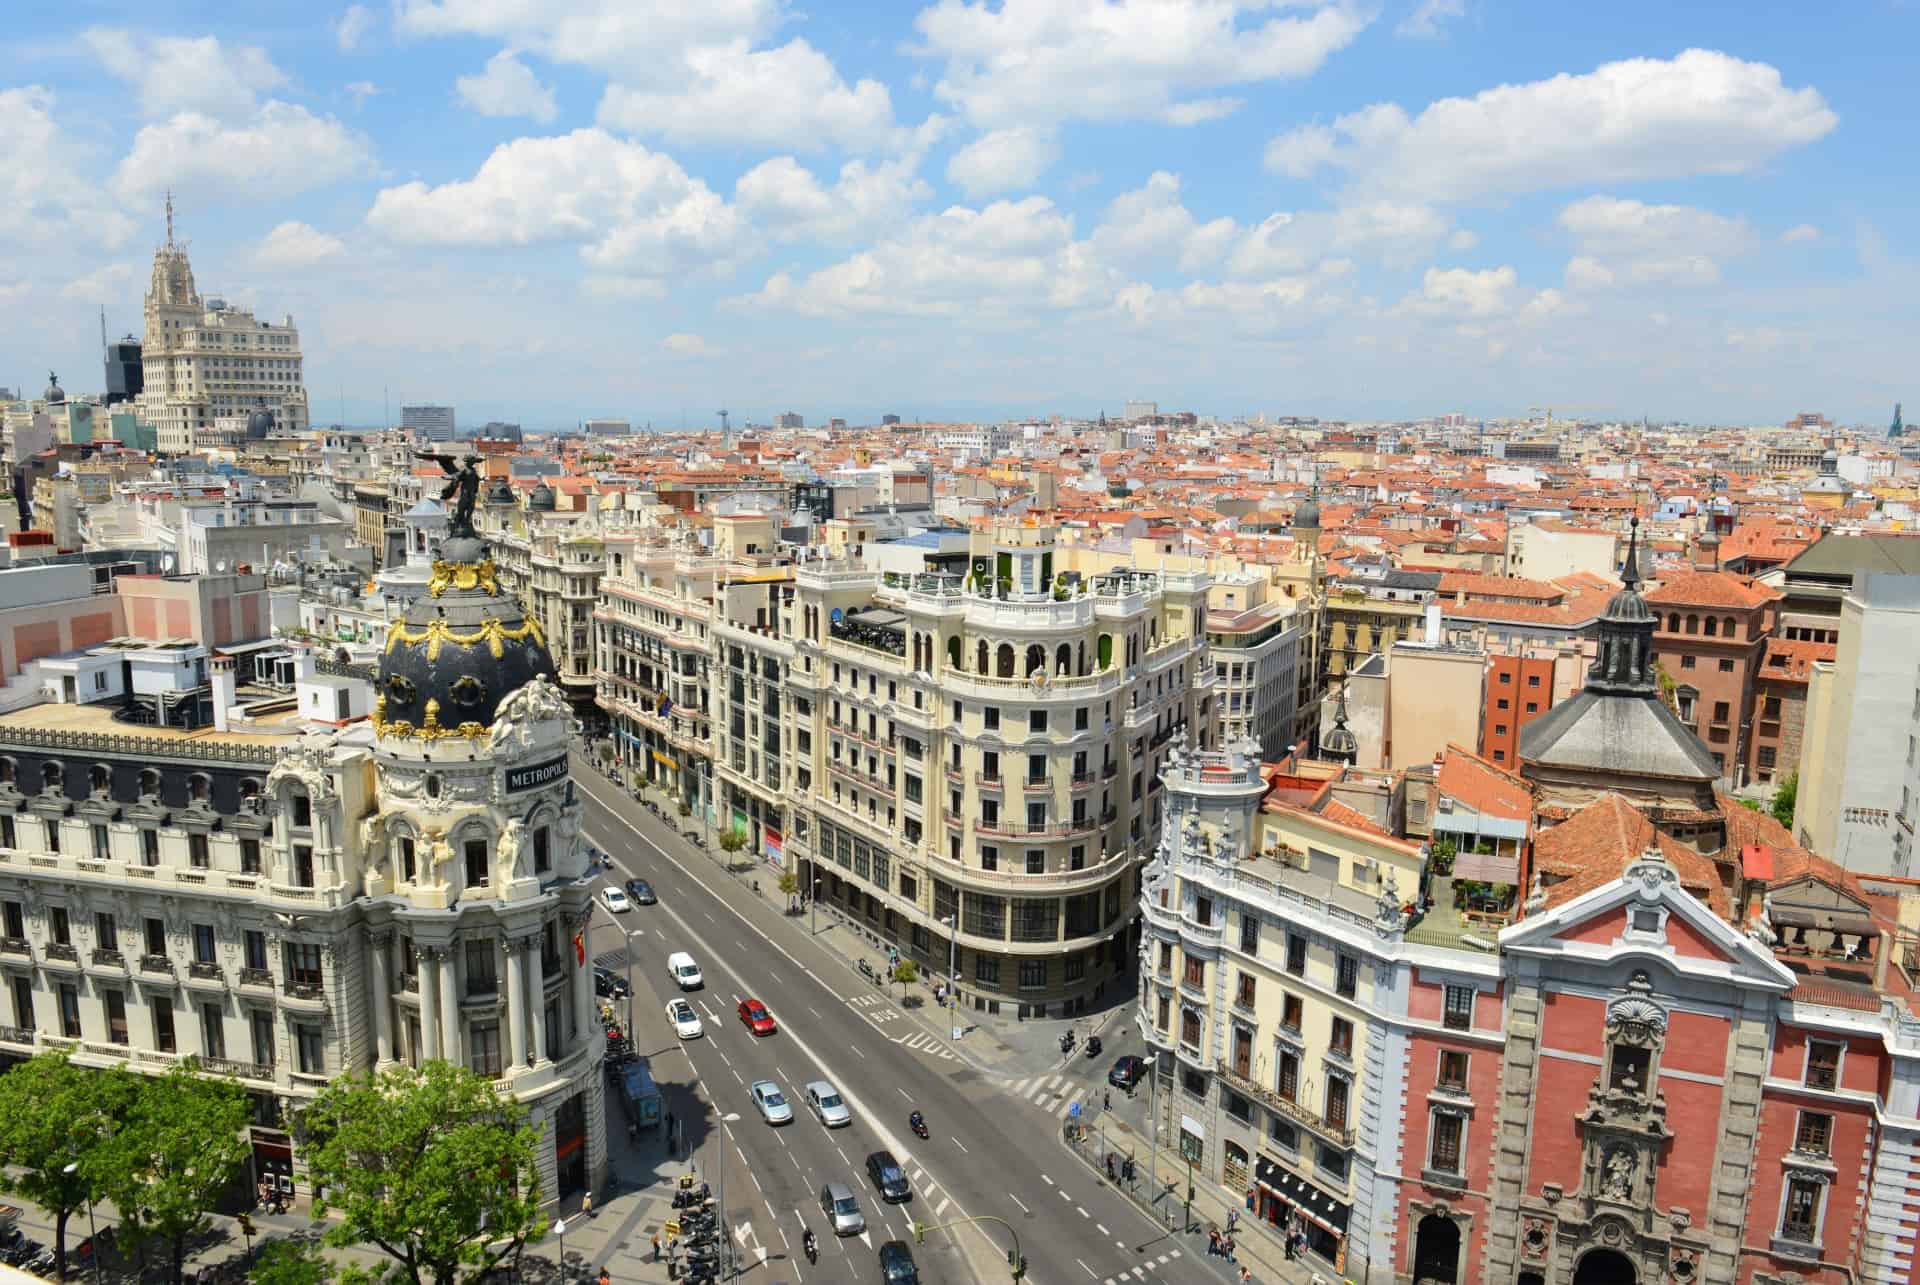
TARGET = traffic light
(1017,1262)
(919,1232)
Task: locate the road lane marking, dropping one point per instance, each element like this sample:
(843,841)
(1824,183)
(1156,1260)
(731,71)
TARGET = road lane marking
(1088,1270)
(1023,1204)
(956,1142)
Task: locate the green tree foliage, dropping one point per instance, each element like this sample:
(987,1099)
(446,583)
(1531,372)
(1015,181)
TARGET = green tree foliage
(429,1165)
(54,1115)
(1785,798)
(181,1143)
(789,883)
(732,841)
(291,1262)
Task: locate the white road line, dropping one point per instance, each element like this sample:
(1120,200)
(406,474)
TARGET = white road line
(1023,1204)
(1047,1180)
(956,1142)
(903,1093)
(843,1155)
(1083,1211)
(1086,1269)
(1064,1196)
(1103,1229)
(814,1011)
(940,1208)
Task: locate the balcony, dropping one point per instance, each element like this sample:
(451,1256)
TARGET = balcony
(1340,1134)
(16,1035)
(62,950)
(987,782)
(106,957)
(158,964)
(256,977)
(15,946)
(204,970)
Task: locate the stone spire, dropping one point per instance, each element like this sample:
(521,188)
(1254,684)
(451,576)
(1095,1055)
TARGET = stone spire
(1624,665)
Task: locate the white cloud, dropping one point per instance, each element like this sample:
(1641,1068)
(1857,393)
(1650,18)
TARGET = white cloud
(1800,232)
(1198,111)
(1390,231)
(1008,261)
(632,210)
(1702,112)
(352,26)
(297,245)
(1462,240)
(1251,307)
(1627,242)
(104,282)
(1003,161)
(1041,61)
(785,97)
(627,38)
(1429,16)
(507,87)
(44,199)
(177,74)
(785,201)
(1464,293)
(1151,223)
(282,149)
(360,91)
(685,345)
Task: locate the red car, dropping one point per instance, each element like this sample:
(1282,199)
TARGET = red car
(757,1018)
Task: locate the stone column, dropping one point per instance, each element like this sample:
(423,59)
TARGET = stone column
(537,999)
(430,957)
(517,1001)
(582,978)
(453,1041)
(380,944)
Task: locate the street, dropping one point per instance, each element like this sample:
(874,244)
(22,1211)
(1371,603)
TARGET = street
(995,1151)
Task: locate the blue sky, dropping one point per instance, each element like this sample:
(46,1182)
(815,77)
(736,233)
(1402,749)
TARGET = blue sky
(544,209)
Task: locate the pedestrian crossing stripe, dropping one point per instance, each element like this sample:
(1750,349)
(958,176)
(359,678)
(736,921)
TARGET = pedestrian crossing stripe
(1139,1273)
(1054,1093)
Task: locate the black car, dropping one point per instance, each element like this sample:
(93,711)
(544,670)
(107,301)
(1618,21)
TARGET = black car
(896,1264)
(608,984)
(889,1179)
(1126,1072)
(641,891)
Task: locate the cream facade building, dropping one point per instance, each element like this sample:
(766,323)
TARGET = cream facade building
(203,359)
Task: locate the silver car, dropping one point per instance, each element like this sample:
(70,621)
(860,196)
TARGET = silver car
(773,1104)
(827,1105)
(838,1203)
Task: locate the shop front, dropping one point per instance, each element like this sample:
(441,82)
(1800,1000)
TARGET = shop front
(1286,1201)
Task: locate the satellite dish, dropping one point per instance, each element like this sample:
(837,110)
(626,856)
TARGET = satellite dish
(166,564)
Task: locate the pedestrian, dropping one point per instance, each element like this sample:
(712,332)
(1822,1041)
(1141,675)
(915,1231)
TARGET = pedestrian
(586,1204)
(1106,1099)
(604,1278)
(1246,1276)
(656,1247)
(1286,1246)
(1213,1242)
(1226,1247)
(1233,1220)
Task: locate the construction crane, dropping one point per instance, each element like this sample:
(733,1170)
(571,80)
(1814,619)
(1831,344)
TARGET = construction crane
(1548,411)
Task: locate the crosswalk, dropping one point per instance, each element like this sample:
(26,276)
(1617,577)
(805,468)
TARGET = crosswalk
(1139,1271)
(1054,1094)
(883,1015)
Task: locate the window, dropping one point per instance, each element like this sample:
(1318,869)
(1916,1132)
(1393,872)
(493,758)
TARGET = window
(1533,707)
(260,1025)
(213,1031)
(1036,720)
(162,1010)
(1036,817)
(476,850)
(1801,1218)
(407,859)
(1720,711)
(542,850)
(303,865)
(107,930)
(1196,975)
(1453,1070)
(69,1011)
(302,810)
(1291,1010)
(1459,1008)
(1506,677)
(1166,959)
(156,931)
(990,716)
(1823,1064)
(1033,974)
(1533,680)
(1449,1130)
(1203,911)
(16,921)
(255,942)
(303,963)
(250,856)
(1503,703)
(1627,1069)
(1190,1027)
(1341,1040)
(480,976)
(53,834)
(1237,1107)
(1036,861)
(1814,1136)
(1282,1134)
(1686,662)
(116,1003)
(1726,666)
(1768,757)
(989,857)
(483,1040)
(1296,955)
(309,1050)
(1347,975)
(1160,1018)
(197,851)
(1336,1112)
(1249,934)
(149,847)
(1243,993)
(1286,1075)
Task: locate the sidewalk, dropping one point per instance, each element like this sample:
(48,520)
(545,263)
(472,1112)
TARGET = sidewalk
(1160,1191)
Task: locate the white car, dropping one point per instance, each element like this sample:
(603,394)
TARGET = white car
(773,1105)
(686,1022)
(615,900)
(828,1107)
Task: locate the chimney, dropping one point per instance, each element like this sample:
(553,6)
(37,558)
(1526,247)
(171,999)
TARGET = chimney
(224,684)
(1433,624)
(303,664)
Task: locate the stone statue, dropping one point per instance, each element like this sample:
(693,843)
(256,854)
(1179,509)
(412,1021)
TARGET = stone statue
(507,854)
(1617,1177)
(538,700)
(1387,906)
(465,483)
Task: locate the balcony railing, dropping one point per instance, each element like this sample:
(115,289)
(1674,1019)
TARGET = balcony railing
(239,1070)
(256,977)
(103,955)
(203,968)
(1306,1119)
(62,950)
(16,1035)
(156,964)
(15,946)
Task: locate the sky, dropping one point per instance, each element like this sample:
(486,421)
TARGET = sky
(542,210)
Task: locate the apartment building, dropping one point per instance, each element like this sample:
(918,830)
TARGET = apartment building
(552,560)
(1524,681)
(1254,635)
(1712,634)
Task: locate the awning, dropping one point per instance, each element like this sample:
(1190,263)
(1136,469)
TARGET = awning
(1822,921)
(1312,1202)
(1486,867)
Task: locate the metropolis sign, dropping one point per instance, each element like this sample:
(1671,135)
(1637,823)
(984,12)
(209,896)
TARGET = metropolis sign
(528,778)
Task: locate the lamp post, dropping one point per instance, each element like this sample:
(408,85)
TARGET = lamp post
(560,1230)
(953,975)
(813,900)
(93,1233)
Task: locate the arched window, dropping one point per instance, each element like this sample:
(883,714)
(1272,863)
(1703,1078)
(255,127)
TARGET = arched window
(1036,658)
(199,788)
(1063,659)
(1003,661)
(52,778)
(1693,624)
(1727,628)
(99,779)
(980,657)
(1673,622)
(149,783)
(406,857)
(7,770)
(1713,626)
(251,793)
(953,651)
(1103,649)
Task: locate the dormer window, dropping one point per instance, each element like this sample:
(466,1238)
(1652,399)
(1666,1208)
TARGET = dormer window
(149,783)
(199,788)
(99,780)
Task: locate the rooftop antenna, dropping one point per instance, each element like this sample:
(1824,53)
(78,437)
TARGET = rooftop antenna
(169,218)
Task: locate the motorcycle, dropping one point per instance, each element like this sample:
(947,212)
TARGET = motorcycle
(866,971)
(1066,1042)
(811,1247)
(690,1197)
(1093,1046)
(918,1124)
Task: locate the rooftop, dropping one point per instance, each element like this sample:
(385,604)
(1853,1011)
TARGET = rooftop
(98,720)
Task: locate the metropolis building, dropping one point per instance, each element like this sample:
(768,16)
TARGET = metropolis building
(283,901)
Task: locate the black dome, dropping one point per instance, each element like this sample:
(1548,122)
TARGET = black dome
(1307,516)
(463,647)
(542,499)
(498,492)
(260,423)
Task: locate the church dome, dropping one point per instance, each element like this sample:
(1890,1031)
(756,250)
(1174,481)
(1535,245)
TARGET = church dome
(542,500)
(259,423)
(463,647)
(1307,516)
(498,492)
(55,395)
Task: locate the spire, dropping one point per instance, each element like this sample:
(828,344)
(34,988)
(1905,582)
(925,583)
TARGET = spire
(169,218)
(1340,743)
(1630,573)
(1624,664)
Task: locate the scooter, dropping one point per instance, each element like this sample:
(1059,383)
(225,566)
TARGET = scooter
(810,1247)
(1093,1046)
(1066,1042)
(919,1126)
(691,1196)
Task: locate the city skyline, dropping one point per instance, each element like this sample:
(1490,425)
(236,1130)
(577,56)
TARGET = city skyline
(957,212)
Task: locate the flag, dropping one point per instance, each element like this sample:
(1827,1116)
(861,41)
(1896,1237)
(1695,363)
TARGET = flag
(580,948)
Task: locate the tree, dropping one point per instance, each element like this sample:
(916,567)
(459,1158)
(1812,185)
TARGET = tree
(429,1165)
(291,1262)
(1785,798)
(789,883)
(57,1121)
(182,1143)
(906,972)
(732,842)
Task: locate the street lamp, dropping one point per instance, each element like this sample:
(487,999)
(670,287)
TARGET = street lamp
(560,1230)
(814,901)
(93,1233)
(953,975)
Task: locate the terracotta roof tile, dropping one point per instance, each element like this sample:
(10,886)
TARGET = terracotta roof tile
(1712,589)
(1592,847)
(1480,785)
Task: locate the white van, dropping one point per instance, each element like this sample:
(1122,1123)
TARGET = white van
(685,972)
